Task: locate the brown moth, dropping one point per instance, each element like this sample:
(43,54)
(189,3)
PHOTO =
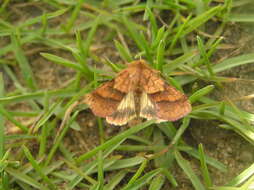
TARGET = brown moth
(137,91)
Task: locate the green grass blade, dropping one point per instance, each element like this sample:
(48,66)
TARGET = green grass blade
(241,18)
(181,130)
(204,169)
(160,56)
(144,179)
(43,140)
(116,179)
(226,188)
(161,36)
(200,93)
(212,162)
(74,15)
(44,21)
(37,168)
(62,61)
(201,19)
(89,169)
(178,34)
(23,63)
(137,174)
(38,95)
(170,177)
(100,155)
(81,57)
(25,178)
(116,68)
(123,51)
(157,182)
(151,16)
(234,62)
(5,185)
(90,36)
(4,5)
(204,55)
(243,176)
(95,187)
(138,38)
(80,172)
(2,120)
(45,117)
(7,115)
(59,139)
(114,140)
(185,165)
(38,19)
(170,66)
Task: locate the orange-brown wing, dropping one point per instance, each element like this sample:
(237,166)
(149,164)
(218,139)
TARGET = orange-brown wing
(170,104)
(104,100)
(150,80)
(139,76)
(123,81)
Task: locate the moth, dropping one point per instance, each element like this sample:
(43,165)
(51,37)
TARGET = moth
(137,91)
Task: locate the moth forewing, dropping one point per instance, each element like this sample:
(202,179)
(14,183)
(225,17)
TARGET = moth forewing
(125,111)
